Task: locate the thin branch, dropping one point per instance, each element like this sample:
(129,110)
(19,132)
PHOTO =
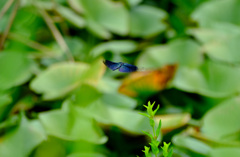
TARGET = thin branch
(6,7)
(57,35)
(30,43)
(8,27)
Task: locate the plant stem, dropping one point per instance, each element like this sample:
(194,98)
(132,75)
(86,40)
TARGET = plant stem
(57,35)
(33,44)
(6,7)
(8,27)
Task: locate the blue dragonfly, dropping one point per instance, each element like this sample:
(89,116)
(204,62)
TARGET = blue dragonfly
(122,67)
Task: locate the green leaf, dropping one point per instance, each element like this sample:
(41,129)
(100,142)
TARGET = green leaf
(154,146)
(133,2)
(146,151)
(184,52)
(154,111)
(220,42)
(71,16)
(98,29)
(170,153)
(165,149)
(15,69)
(170,122)
(118,100)
(158,128)
(115,46)
(219,127)
(211,79)
(191,144)
(150,108)
(70,124)
(59,79)
(111,15)
(147,21)
(78,47)
(128,120)
(5,99)
(152,123)
(223,152)
(84,95)
(26,24)
(148,134)
(208,13)
(108,85)
(86,155)
(32,132)
(144,114)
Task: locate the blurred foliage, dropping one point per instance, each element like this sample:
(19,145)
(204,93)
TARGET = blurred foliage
(58,99)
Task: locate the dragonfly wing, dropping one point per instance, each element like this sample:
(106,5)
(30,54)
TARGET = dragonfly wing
(128,68)
(112,65)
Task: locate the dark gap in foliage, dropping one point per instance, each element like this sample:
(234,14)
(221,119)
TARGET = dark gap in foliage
(126,145)
(193,103)
(168,136)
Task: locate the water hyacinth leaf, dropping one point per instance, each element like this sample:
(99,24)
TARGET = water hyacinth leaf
(16,140)
(228,141)
(5,99)
(128,120)
(71,16)
(59,79)
(208,13)
(220,42)
(223,152)
(98,29)
(215,32)
(52,147)
(111,15)
(147,21)
(145,83)
(95,72)
(184,52)
(133,2)
(76,6)
(86,155)
(108,85)
(83,147)
(78,47)
(210,79)
(118,100)
(192,144)
(70,124)
(222,121)
(14,74)
(90,93)
(115,46)
(28,25)
(172,121)
(91,24)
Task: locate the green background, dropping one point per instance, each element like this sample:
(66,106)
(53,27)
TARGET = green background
(57,99)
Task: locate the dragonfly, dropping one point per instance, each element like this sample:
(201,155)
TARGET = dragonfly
(122,67)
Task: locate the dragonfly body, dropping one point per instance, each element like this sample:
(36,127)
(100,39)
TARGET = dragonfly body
(122,67)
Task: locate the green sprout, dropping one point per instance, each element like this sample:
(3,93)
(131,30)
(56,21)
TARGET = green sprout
(154,136)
